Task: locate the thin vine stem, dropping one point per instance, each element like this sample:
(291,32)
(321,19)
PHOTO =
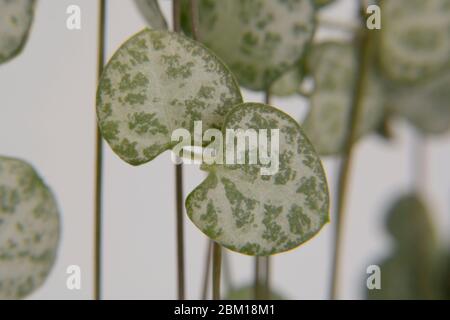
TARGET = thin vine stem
(206,270)
(179,196)
(419,162)
(217,266)
(99,161)
(346,161)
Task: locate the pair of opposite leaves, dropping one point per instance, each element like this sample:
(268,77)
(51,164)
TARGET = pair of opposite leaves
(417,268)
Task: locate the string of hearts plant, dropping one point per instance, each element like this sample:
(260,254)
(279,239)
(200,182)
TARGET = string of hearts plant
(159,81)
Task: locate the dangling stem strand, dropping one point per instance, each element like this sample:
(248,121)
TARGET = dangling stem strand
(99,162)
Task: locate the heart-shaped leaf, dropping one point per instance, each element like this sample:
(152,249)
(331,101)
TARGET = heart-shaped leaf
(333,66)
(258,39)
(29,229)
(408,272)
(255,214)
(15,22)
(152,13)
(415,38)
(426,105)
(157,82)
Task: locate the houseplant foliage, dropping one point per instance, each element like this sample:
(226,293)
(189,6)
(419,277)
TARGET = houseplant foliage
(157,82)
(414,58)
(16,18)
(258,39)
(262,215)
(414,39)
(152,13)
(333,68)
(29,229)
(160,81)
(417,268)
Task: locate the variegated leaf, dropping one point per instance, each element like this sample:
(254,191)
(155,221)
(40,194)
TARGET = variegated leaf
(29,229)
(289,83)
(152,13)
(415,38)
(157,82)
(258,39)
(426,105)
(333,66)
(16,17)
(257,214)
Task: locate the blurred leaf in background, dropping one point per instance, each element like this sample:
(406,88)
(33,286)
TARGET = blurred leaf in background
(29,229)
(151,11)
(16,18)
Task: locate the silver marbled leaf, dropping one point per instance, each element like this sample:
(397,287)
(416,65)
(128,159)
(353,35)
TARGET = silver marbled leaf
(157,82)
(333,66)
(258,39)
(257,214)
(29,229)
(415,38)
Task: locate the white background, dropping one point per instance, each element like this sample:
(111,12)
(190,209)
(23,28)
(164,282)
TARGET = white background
(47,116)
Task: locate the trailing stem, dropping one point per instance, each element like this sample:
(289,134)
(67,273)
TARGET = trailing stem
(206,270)
(345,165)
(179,196)
(99,161)
(217,266)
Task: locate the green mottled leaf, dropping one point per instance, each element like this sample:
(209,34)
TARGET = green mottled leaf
(16,17)
(257,214)
(289,83)
(158,82)
(258,39)
(415,38)
(408,272)
(29,229)
(426,105)
(333,66)
(248,293)
(152,13)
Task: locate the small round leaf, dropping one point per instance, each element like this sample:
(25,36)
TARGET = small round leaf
(15,22)
(29,229)
(333,66)
(426,105)
(258,39)
(415,38)
(257,214)
(157,82)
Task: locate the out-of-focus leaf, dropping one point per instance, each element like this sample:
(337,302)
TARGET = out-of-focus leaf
(248,293)
(333,66)
(415,38)
(155,83)
(408,272)
(152,13)
(289,83)
(258,39)
(29,229)
(426,105)
(16,17)
(255,214)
